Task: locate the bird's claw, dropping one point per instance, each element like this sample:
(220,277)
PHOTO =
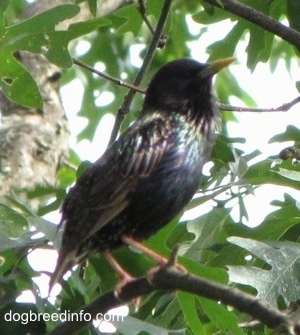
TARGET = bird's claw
(167,263)
(127,278)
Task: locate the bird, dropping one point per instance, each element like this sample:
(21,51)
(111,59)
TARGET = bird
(149,174)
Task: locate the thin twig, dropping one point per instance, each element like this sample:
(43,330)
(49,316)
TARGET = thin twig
(123,110)
(283,108)
(260,19)
(107,76)
(142,10)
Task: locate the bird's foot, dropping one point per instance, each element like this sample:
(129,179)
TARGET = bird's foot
(124,276)
(172,261)
(125,279)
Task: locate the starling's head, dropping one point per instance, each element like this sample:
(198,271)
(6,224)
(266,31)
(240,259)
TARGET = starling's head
(183,85)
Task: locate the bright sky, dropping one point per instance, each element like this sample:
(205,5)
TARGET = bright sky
(267,89)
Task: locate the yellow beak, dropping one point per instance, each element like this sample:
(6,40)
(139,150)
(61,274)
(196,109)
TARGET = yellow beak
(216,66)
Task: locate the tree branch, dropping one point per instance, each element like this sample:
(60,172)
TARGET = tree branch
(115,80)
(170,278)
(283,108)
(142,10)
(146,63)
(260,19)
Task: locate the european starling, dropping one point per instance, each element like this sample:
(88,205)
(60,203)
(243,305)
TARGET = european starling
(147,176)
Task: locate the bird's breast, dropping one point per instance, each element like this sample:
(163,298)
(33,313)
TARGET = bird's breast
(168,189)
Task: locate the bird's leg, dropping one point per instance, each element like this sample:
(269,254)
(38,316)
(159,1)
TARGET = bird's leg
(124,276)
(159,259)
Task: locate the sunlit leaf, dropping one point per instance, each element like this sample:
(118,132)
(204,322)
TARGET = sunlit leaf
(38,34)
(290,174)
(281,280)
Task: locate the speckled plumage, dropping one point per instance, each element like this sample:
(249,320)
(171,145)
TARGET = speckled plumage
(146,177)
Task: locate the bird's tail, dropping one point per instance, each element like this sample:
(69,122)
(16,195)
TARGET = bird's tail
(64,263)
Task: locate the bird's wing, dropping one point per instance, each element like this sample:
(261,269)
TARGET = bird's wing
(133,156)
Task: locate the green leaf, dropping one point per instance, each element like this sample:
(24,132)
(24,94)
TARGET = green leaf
(12,224)
(221,317)
(49,229)
(27,35)
(53,44)
(24,241)
(133,20)
(189,309)
(226,47)
(206,229)
(92,6)
(3,5)
(262,173)
(260,42)
(283,279)
(12,78)
(57,51)
(290,174)
(212,273)
(222,149)
(257,44)
(274,226)
(134,326)
(293,13)
(38,34)
(54,194)
(41,23)
(291,133)
(205,17)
